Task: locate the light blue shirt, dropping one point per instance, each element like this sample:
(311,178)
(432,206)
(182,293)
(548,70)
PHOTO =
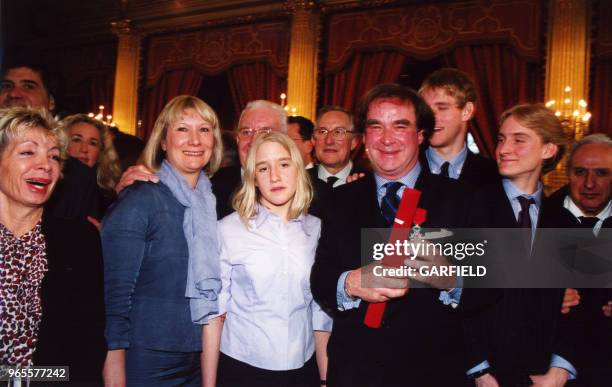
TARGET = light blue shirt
(513,193)
(456,163)
(345,302)
(265,274)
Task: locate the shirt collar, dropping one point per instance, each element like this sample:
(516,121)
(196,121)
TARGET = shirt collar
(456,163)
(512,192)
(323,174)
(409,179)
(569,204)
(263,215)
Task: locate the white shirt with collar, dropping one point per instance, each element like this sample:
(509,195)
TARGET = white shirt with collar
(569,205)
(265,274)
(323,174)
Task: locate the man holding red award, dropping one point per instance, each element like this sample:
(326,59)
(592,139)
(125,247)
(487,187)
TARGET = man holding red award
(420,340)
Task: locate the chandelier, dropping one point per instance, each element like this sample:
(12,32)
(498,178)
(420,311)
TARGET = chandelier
(573,114)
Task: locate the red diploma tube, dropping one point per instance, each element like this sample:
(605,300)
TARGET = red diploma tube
(408,214)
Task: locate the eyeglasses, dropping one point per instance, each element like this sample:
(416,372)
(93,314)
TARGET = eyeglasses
(337,133)
(248,132)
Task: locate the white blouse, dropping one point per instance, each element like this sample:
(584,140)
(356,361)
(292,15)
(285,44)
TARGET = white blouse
(265,274)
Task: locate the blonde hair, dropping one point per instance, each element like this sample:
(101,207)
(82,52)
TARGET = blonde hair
(15,121)
(108,171)
(246,199)
(547,126)
(153,153)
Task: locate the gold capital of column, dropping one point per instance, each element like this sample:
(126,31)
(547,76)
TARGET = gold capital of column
(303,57)
(125,101)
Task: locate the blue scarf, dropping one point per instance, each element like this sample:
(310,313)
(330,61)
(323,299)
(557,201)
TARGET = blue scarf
(200,228)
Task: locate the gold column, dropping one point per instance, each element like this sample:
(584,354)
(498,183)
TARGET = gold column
(302,77)
(125,101)
(567,65)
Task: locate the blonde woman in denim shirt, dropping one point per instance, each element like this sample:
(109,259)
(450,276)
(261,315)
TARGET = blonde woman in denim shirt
(160,254)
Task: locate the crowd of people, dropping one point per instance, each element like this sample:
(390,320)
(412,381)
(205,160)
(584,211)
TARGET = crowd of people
(177,271)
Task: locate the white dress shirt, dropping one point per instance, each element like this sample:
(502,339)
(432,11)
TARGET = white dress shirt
(569,205)
(323,174)
(265,273)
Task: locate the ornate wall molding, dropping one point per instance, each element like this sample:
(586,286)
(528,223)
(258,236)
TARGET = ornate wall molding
(214,50)
(426,30)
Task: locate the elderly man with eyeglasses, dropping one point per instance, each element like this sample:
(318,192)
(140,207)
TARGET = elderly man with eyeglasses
(334,138)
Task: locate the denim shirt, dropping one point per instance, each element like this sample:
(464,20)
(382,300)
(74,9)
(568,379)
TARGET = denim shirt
(145,272)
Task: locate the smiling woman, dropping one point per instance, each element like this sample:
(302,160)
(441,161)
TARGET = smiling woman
(161,261)
(90,173)
(30,163)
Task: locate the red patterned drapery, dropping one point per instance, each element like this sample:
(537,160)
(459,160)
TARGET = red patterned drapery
(503,79)
(171,84)
(476,36)
(363,72)
(601,61)
(251,81)
(255,56)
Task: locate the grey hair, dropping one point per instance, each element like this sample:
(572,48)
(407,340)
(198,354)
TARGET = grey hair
(264,104)
(329,108)
(598,138)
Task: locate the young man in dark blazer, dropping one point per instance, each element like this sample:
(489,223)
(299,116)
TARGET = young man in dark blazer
(420,342)
(516,342)
(451,95)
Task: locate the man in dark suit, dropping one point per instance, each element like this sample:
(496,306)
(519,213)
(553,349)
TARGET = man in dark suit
(451,95)
(516,341)
(300,130)
(420,342)
(334,139)
(586,199)
(586,202)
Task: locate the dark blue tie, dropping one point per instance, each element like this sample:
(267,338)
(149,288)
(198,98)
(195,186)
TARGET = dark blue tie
(524,220)
(390,202)
(444,169)
(588,221)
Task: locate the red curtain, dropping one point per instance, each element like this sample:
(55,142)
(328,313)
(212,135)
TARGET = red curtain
(366,70)
(170,84)
(503,79)
(601,99)
(251,81)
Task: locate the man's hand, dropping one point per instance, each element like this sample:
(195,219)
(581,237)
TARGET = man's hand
(439,261)
(570,298)
(555,377)
(607,309)
(486,380)
(354,177)
(135,173)
(364,284)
